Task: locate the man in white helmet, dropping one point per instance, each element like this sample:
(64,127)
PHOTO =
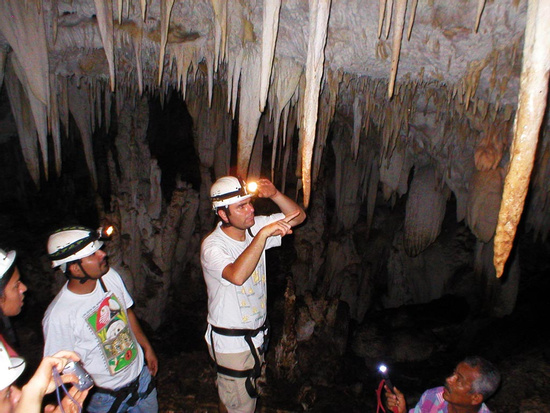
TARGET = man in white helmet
(234,268)
(79,319)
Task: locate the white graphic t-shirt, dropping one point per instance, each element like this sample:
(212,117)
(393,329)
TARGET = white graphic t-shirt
(96,327)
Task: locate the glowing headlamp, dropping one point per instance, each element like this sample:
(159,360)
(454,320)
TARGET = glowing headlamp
(252,187)
(105,232)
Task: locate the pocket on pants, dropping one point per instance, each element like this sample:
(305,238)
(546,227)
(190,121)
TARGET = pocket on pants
(230,391)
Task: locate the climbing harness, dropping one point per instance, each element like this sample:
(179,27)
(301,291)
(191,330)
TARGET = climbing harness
(251,374)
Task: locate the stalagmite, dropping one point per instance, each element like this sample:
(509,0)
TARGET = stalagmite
(269,38)
(165,12)
(104,9)
(531,107)
(400,9)
(318,27)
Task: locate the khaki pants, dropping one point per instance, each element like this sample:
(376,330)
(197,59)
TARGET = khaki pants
(232,390)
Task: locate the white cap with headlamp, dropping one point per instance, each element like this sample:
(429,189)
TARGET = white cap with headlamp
(229,190)
(71,244)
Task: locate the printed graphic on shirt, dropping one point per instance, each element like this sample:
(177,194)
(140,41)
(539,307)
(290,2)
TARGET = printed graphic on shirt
(110,324)
(252,297)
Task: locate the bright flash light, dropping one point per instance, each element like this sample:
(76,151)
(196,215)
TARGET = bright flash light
(252,187)
(382,368)
(109,230)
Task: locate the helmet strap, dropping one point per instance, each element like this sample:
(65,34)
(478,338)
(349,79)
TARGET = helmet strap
(81,280)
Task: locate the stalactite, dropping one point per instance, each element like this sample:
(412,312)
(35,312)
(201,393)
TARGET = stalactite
(425,210)
(480,7)
(143,6)
(104,11)
(3,56)
(286,75)
(269,38)
(531,107)
(381,13)
(24,122)
(165,12)
(220,31)
(333,80)
(484,196)
(400,10)
(318,27)
(357,126)
(39,112)
(388,17)
(79,105)
(137,42)
(53,118)
(249,113)
(25,32)
(411,19)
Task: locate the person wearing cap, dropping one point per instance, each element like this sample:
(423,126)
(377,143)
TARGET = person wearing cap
(234,269)
(12,290)
(29,399)
(91,315)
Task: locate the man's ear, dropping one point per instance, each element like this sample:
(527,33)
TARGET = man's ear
(223,215)
(74,269)
(477,399)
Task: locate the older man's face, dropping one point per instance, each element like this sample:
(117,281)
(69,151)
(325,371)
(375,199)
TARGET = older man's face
(458,386)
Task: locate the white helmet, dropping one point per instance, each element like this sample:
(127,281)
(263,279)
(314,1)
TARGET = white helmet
(10,367)
(228,190)
(6,263)
(72,243)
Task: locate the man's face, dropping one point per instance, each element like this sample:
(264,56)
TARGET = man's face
(458,386)
(14,294)
(95,265)
(241,214)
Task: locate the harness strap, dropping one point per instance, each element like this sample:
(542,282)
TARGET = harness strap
(131,389)
(251,374)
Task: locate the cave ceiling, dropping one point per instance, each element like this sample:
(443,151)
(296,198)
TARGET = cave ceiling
(423,82)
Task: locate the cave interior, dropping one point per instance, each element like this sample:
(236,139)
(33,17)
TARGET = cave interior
(415,134)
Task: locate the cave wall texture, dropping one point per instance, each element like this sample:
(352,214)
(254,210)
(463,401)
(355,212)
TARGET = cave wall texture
(382,117)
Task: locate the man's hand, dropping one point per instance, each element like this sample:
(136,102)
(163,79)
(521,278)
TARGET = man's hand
(266,189)
(395,401)
(281,227)
(151,360)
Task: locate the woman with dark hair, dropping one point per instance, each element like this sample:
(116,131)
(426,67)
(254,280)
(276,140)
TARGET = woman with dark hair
(29,399)
(12,290)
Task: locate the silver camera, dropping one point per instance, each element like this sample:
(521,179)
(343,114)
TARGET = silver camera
(85,381)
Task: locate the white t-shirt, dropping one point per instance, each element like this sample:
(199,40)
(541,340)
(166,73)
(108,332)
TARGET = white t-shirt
(230,305)
(96,327)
